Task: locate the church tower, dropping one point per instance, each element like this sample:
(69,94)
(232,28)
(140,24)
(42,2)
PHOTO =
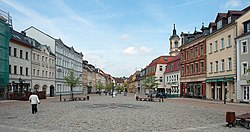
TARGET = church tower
(174,43)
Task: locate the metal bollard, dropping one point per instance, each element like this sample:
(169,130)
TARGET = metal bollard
(60,97)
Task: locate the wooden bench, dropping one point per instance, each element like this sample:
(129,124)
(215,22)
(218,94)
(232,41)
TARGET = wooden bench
(244,120)
(66,99)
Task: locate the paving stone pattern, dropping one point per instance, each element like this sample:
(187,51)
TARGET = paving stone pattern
(123,113)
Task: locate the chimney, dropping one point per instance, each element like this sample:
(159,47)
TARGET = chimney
(23,33)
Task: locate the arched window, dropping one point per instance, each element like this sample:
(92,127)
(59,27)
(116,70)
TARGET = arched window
(176,44)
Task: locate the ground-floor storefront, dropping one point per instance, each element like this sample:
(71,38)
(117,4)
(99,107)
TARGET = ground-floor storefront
(222,88)
(243,91)
(193,89)
(63,88)
(43,84)
(173,89)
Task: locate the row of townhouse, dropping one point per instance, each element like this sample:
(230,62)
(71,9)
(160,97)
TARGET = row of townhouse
(212,63)
(34,61)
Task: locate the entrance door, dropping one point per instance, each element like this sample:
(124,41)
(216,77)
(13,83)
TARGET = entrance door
(52,88)
(246,93)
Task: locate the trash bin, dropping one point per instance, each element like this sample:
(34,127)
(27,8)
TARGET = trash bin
(230,119)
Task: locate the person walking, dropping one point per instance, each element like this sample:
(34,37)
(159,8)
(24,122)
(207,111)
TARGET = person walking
(34,100)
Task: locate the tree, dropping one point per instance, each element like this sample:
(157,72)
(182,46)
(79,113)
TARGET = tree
(150,83)
(99,86)
(72,81)
(109,87)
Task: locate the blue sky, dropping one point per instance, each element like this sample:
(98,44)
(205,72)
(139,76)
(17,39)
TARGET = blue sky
(118,36)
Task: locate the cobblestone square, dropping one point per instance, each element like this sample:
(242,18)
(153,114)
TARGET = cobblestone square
(123,113)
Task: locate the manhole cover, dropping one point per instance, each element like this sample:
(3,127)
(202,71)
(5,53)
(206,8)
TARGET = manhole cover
(112,106)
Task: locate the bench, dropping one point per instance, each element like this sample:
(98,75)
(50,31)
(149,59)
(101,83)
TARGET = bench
(244,120)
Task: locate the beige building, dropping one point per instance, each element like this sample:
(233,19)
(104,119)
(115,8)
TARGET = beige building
(221,57)
(19,63)
(43,68)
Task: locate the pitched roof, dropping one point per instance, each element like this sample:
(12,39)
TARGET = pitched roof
(20,37)
(161,60)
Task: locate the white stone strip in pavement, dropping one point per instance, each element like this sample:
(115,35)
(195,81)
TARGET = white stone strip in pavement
(6,128)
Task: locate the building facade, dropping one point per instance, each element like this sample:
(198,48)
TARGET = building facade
(43,68)
(20,50)
(221,57)
(5,33)
(172,77)
(243,58)
(66,59)
(193,64)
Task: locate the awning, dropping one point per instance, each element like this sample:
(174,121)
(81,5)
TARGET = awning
(220,80)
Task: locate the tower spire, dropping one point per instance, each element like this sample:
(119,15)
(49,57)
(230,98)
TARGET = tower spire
(174,31)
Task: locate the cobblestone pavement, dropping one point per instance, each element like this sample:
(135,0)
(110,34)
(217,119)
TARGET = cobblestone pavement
(123,113)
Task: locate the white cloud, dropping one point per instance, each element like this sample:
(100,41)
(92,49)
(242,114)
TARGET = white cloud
(130,51)
(125,36)
(144,50)
(231,4)
(135,51)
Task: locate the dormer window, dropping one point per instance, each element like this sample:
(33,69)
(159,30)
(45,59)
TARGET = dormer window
(211,30)
(229,20)
(219,24)
(248,27)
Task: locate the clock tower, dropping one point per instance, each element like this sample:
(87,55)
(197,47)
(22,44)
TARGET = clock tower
(174,43)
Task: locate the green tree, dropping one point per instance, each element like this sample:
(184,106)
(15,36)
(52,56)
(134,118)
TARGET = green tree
(99,86)
(109,87)
(72,81)
(150,83)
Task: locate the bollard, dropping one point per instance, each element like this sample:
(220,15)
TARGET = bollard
(87,97)
(60,97)
(162,99)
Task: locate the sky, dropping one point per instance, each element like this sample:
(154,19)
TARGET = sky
(118,36)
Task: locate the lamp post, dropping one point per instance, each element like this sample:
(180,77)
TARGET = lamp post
(21,86)
(225,92)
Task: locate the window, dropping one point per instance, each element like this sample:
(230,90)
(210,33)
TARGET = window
(229,20)
(192,68)
(160,79)
(9,51)
(196,67)
(187,70)
(187,55)
(201,50)
(230,63)
(21,70)
(182,56)
(9,69)
(21,53)
(43,73)
(38,57)
(46,74)
(228,40)
(176,44)
(202,67)
(244,68)
(27,71)
(196,51)
(15,69)
(160,68)
(219,24)
(222,65)
(34,56)
(42,58)
(46,59)
(38,72)
(182,70)
(49,74)
(248,27)
(15,52)
(211,48)
(216,45)
(222,43)
(34,70)
(27,56)
(244,47)
(211,30)
(216,66)
(211,67)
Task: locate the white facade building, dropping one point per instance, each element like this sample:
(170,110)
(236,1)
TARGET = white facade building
(66,58)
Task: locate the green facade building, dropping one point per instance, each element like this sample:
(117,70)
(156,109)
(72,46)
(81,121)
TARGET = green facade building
(5,35)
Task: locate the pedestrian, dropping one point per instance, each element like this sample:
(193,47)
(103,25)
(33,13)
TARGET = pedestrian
(34,100)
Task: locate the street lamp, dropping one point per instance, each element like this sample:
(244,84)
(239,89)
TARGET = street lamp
(225,92)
